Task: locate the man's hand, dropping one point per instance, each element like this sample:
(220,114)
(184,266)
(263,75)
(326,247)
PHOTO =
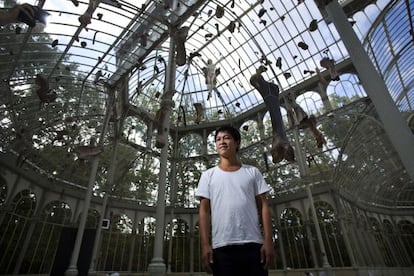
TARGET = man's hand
(207,258)
(267,253)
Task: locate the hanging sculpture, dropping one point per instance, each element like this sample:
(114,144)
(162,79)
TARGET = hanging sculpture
(300,118)
(281,149)
(329,64)
(199,112)
(180,37)
(45,94)
(210,73)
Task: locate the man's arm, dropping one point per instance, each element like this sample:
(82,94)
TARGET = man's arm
(267,250)
(204,215)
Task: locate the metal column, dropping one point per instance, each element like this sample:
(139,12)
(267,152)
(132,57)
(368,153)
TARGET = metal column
(395,126)
(72,269)
(109,186)
(157,266)
(304,172)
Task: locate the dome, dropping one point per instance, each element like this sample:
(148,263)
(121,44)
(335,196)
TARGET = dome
(117,101)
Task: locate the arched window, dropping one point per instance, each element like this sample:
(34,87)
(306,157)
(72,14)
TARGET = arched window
(44,241)
(332,235)
(178,233)
(116,244)
(295,240)
(383,246)
(14,229)
(397,247)
(406,229)
(143,244)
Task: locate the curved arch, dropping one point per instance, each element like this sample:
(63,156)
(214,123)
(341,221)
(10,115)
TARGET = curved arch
(406,228)
(143,243)
(332,234)
(345,91)
(295,239)
(178,233)
(380,237)
(46,236)
(57,212)
(15,226)
(116,243)
(311,102)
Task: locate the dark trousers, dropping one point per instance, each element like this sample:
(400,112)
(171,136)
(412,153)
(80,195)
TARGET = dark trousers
(238,260)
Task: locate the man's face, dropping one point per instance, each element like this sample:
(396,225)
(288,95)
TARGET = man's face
(225,144)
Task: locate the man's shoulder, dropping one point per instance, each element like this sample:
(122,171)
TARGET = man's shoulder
(251,170)
(209,171)
(249,167)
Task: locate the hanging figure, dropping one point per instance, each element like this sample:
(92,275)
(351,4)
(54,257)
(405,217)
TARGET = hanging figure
(329,64)
(281,149)
(199,112)
(299,117)
(86,18)
(180,37)
(86,152)
(44,92)
(160,116)
(210,74)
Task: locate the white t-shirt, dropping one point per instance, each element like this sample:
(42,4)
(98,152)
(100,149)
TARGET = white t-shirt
(232,195)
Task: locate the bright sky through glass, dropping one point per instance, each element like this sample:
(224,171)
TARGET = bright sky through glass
(270,30)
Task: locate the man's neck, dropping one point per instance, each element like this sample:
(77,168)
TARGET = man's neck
(231,164)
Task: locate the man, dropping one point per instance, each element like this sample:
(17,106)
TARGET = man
(233,204)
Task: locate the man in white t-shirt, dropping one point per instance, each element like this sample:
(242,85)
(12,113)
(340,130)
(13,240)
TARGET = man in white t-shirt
(234,206)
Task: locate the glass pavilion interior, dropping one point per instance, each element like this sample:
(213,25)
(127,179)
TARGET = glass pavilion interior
(98,172)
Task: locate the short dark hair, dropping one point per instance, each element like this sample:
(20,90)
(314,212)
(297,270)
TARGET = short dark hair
(234,132)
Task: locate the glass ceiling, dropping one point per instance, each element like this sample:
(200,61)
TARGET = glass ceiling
(130,39)
(126,46)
